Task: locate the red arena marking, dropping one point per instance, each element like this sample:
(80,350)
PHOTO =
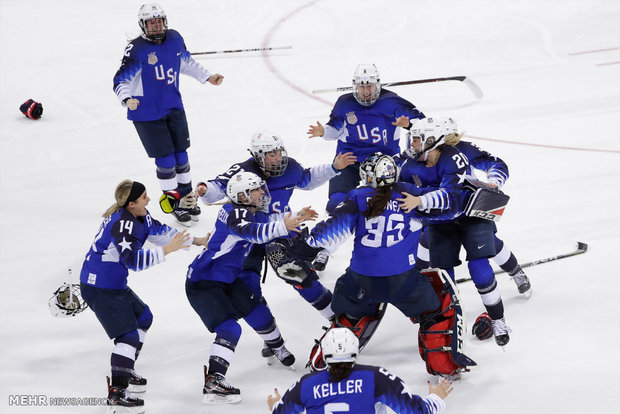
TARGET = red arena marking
(542,145)
(272,68)
(608,63)
(593,51)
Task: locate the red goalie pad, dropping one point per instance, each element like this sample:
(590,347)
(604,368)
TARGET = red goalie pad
(363,329)
(440,338)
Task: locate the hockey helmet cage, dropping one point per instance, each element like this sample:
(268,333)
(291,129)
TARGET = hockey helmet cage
(340,345)
(240,187)
(148,12)
(432,134)
(67,301)
(266,143)
(378,170)
(366,74)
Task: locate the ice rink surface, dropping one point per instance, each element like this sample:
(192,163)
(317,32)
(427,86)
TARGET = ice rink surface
(550,73)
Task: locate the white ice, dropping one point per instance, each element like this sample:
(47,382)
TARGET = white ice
(58,174)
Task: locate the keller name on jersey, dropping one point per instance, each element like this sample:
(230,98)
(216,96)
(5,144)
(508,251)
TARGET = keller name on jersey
(340,388)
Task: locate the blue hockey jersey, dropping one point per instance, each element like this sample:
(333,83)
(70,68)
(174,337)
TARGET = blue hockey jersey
(119,246)
(494,167)
(385,245)
(443,181)
(149,72)
(365,386)
(364,130)
(236,229)
(281,188)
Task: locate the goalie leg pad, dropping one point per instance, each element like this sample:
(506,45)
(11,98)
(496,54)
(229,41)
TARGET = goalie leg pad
(441,334)
(364,329)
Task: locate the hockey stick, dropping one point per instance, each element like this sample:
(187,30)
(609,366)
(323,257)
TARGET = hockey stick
(258,49)
(581,249)
(474,88)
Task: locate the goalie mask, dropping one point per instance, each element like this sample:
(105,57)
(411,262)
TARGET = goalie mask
(340,345)
(269,153)
(248,189)
(366,84)
(155,31)
(66,301)
(378,170)
(426,135)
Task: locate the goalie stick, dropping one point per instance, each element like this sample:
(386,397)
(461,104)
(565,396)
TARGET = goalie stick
(474,88)
(581,249)
(258,49)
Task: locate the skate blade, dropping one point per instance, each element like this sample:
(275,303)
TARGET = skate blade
(185,223)
(271,360)
(195,218)
(136,389)
(527,294)
(212,399)
(126,410)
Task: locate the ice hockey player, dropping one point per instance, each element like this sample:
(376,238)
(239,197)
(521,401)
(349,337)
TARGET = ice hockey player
(283,174)
(349,387)
(119,247)
(217,293)
(363,122)
(147,84)
(442,170)
(382,270)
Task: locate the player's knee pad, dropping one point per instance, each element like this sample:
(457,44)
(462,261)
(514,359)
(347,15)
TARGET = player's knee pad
(168,162)
(145,319)
(229,330)
(130,338)
(441,333)
(363,328)
(181,158)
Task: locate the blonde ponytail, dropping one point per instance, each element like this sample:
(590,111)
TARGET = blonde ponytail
(453,139)
(121,194)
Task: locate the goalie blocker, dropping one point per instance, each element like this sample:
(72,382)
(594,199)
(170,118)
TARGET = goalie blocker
(486,202)
(440,336)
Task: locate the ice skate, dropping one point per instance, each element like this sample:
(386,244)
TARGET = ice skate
(119,403)
(320,262)
(522,282)
(183,217)
(217,391)
(137,384)
(501,331)
(280,354)
(189,203)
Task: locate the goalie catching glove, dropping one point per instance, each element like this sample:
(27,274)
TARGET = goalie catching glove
(291,259)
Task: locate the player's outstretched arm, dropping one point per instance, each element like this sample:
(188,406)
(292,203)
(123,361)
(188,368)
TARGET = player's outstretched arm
(316,130)
(342,161)
(409,202)
(202,241)
(402,121)
(442,389)
(179,241)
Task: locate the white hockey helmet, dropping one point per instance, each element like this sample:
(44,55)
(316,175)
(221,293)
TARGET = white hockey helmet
(148,12)
(432,134)
(340,345)
(378,170)
(267,143)
(66,301)
(240,187)
(366,74)
(450,126)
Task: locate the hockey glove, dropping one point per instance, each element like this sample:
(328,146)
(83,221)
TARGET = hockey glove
(32,109)
(483,327)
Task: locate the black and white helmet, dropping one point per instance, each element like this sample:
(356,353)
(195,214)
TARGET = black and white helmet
(378,170)
(148,12)
(366,74)
(431,132)
(266,142)
(340,345)
(67,301)
(240,186)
